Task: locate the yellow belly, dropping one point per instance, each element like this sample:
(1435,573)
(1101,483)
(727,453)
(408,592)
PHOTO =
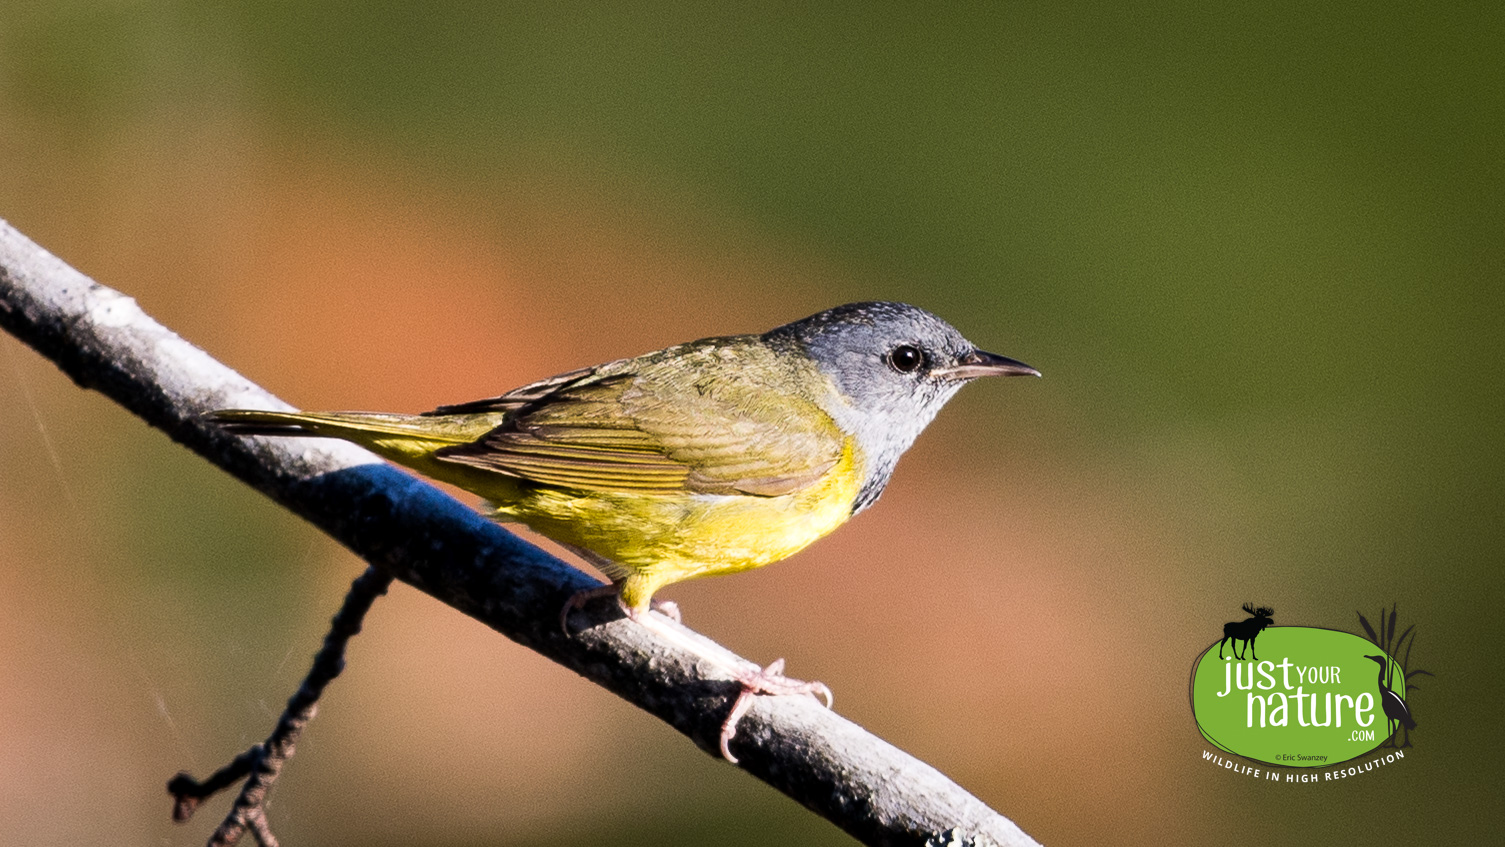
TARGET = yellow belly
(652,540)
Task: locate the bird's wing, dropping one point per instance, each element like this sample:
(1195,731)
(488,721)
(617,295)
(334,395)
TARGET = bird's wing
(696,418)
(518,398)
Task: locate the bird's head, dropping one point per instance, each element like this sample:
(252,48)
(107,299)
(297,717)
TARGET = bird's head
(892,367)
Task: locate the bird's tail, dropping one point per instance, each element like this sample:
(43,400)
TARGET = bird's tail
(401,438)
(411,440)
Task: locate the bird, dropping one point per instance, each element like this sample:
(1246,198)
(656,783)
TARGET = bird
(709,457)
(1396,710)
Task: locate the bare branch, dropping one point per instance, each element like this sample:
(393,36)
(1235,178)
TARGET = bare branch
(425,538)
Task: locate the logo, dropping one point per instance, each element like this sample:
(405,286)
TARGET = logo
(1318,697)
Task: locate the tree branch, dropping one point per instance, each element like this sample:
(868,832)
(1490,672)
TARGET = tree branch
(423,537)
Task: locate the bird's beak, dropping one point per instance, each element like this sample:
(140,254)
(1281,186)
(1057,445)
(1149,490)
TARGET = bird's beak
(977,363)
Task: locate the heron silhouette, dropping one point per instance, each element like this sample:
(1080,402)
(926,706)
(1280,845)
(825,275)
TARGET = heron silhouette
(1395,708)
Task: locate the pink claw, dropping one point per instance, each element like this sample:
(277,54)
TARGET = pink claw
(578,601)
(768,680)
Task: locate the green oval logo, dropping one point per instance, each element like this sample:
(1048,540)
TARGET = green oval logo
(1315,697)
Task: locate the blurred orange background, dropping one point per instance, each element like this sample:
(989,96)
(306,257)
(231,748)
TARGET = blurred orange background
(1268,319)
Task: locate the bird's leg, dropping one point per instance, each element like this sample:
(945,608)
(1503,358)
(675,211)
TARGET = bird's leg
(667,608)
(754,680)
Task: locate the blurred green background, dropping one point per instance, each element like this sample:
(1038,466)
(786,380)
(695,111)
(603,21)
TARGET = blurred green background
(1257,252)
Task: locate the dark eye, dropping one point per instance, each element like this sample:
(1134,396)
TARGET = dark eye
(905,359)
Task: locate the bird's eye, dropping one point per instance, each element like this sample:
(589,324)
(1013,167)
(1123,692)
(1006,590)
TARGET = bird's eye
(905,358)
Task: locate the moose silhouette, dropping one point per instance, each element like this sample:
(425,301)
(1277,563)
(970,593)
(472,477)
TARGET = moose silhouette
(1246,630)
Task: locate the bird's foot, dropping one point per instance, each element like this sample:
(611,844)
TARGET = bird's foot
(769,680)
(753,680)
(578,601)
(667,608)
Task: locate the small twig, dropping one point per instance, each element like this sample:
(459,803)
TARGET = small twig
(189,792)
(263,762)
(257,819)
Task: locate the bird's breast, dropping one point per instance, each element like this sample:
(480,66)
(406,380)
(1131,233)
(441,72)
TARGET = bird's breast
(688,534)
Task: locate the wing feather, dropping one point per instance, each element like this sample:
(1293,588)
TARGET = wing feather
(708,417)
